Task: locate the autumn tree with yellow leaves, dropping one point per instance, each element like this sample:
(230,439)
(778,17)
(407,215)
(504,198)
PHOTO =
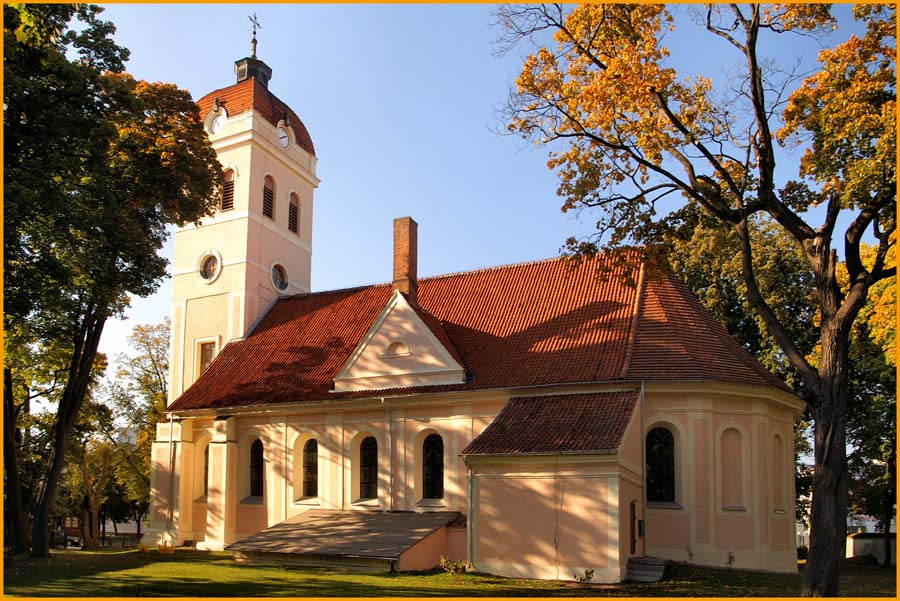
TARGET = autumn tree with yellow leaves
(632,138)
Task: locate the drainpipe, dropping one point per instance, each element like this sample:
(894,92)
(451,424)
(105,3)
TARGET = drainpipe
(643,531)
(470,518)
(171,473)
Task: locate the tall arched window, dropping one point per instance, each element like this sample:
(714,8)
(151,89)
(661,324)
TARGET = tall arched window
(660,466)
(732,470)
(228,191)
(368,468)
(311,468)
(433,467)
(269,197)
(294,213)
(778,474)
(206,470)
(256,468)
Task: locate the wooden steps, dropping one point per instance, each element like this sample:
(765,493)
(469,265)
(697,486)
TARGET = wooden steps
(645,569)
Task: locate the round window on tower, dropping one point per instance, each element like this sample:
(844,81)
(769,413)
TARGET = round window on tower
(209,266)
(279,277)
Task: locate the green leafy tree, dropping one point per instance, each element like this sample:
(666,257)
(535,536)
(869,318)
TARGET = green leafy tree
(97,164)
(138,398)
(872,423)
(633,134)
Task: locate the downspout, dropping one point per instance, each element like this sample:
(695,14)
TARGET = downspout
(643,531)
(470,518)
(171,472)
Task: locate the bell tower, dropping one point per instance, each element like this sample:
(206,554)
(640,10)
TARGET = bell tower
(232,266)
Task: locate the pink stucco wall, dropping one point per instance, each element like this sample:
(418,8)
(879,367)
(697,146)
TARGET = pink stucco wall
(559,522)
(456,543)
(629,492)
(426,553)
(250,519)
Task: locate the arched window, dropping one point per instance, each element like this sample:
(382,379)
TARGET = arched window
(368,468)
(294,213)
(433,467)
(227,202)
(256,468)
(269,197)
(206,470)
(311,468)
(732,470)
(778,474)
(660,466)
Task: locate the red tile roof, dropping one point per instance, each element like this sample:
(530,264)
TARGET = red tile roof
(251,94)
(542,323)
(559,423)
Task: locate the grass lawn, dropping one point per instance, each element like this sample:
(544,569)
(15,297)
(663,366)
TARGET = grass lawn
(190,573)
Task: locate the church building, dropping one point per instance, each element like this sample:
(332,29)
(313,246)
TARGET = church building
(536,420)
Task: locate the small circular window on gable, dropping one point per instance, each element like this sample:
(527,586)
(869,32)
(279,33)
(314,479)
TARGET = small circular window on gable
(279,277)
(397,348)
(209,267)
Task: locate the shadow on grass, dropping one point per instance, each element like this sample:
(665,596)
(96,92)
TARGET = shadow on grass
(191,573)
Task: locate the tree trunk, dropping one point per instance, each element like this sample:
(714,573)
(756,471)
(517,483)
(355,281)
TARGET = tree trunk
(13,503)
(89,517)
(86,340)
(828,514)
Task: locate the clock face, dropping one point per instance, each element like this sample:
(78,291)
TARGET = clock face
(217,124)
(283,137)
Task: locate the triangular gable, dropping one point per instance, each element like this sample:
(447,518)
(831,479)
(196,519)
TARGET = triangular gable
(398,351)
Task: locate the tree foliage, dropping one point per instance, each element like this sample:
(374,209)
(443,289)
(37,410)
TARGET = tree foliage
(97,165)
(633,138)
(138,398)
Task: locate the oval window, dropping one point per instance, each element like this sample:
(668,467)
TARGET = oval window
(209,267)
(279,277)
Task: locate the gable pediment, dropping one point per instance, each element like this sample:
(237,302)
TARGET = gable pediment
(398,351)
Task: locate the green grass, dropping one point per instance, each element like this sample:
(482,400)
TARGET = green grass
(190,573)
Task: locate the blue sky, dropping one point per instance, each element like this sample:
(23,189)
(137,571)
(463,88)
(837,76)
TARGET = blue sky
(400,101)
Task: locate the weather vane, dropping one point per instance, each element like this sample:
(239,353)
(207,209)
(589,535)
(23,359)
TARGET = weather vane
(256,26)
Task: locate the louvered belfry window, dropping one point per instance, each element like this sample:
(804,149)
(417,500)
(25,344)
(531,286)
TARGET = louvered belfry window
(433,467)
(368,468)
(228,191)
(269,198)
(293,213)
(311,469)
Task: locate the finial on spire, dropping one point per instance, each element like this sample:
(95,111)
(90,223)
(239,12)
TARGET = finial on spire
(256,26)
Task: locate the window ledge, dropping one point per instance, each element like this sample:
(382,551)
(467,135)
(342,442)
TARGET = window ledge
(431,503)
(253,501)
(664,505)
(310,501)
(366,503)
(733,508)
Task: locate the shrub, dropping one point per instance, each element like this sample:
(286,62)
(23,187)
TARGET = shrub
(453,567)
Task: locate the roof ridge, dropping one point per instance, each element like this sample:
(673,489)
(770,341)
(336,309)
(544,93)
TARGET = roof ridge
(435,277)
(498,267)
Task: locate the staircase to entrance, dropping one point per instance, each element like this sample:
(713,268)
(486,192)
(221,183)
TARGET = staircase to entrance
(645,569)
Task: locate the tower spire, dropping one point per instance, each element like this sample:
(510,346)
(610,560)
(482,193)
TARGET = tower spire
(256,26)
(251,66)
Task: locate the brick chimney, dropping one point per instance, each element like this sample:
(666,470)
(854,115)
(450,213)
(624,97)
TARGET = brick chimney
(406,245)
